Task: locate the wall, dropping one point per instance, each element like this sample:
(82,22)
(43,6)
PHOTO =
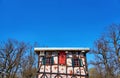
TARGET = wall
(65,71)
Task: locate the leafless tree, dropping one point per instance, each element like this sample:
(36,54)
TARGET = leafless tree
(11,53)
(29,64)
(17,60)
(107,52)
(114,42)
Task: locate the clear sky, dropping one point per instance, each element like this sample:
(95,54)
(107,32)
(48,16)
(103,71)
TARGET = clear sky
(57,23)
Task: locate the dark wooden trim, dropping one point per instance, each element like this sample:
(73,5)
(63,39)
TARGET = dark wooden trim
(51,65)
(79,66)
(66,63)
(58,62)
(60,74)
(73,65)
(86,65)
(44,75)
(38,64)
(45,61)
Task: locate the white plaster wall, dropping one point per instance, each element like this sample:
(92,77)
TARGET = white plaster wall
(54,68)
(39,75)
(62,69)
(76,70)
(82,71)
(69,76)
(48,75)
(47,68)
(53,75)
(83,61)
(42,68)
(70,70)
(69,62)
(41,58)
(63,76)
(55,60)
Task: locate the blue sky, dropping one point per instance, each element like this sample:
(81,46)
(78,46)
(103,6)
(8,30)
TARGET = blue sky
(57,23)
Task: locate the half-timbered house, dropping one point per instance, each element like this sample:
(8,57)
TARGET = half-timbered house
(62,62)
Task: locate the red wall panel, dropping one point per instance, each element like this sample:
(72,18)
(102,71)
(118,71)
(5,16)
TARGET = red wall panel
(62,57)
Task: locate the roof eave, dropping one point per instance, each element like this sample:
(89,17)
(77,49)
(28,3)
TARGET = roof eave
(84,50)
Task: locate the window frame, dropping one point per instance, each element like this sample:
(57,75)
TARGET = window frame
(48,60)
(77,62)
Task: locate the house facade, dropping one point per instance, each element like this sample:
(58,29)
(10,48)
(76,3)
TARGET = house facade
(62,62)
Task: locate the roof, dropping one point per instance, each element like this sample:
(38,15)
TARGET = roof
(37,50)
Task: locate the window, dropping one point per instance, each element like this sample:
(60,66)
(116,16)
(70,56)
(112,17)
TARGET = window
(48,61)
(77,62)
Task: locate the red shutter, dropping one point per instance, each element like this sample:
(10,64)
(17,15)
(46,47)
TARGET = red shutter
(62,57)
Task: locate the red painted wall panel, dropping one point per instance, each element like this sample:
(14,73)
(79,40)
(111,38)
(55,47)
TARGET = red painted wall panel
(62,57)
